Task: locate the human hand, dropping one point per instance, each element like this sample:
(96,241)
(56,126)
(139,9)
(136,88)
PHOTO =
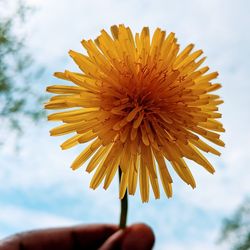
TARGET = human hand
(89,237)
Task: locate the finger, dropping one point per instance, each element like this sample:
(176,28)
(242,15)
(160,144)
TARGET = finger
(114,241)
(78,237)
(139,236)
(136,237)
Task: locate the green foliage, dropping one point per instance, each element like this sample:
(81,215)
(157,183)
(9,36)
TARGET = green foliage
(236,230)
(18,76)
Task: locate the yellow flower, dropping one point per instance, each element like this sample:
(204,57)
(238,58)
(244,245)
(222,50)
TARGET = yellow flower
(140,102)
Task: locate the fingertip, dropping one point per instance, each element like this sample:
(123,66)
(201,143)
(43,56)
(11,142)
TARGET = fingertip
(137,237)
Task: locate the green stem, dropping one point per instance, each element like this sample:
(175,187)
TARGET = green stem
(124,206)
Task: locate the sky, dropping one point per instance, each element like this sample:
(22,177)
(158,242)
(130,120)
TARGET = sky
(37,187)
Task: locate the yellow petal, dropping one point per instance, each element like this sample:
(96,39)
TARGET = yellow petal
(99,155)
(86,154)
(144,181)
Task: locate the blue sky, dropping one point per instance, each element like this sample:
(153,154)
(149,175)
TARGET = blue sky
(38,188)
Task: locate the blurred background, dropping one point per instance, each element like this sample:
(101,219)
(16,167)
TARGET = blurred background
(37,187)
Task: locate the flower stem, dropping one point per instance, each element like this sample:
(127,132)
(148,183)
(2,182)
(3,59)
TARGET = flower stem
(124,206)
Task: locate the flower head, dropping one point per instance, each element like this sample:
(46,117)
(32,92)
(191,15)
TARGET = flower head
(139,102)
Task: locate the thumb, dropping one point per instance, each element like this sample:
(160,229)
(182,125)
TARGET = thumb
(136,237)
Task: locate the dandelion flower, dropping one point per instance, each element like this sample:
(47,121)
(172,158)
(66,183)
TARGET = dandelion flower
(143,105)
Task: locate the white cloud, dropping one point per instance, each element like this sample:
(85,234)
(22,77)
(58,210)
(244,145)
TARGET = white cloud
(194,246)
(20,218)
(40,164)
